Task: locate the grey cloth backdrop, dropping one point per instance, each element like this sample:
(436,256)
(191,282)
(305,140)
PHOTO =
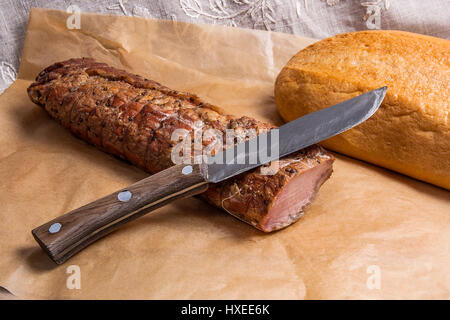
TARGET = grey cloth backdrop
(311,18)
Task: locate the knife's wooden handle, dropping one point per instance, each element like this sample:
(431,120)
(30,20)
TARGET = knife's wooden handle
(63,237)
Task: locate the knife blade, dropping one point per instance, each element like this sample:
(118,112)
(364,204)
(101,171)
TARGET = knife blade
(296,135)
(68,234)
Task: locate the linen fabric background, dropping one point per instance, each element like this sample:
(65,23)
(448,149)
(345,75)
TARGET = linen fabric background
(311,18)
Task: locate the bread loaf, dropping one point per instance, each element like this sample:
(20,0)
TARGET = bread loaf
(410,132)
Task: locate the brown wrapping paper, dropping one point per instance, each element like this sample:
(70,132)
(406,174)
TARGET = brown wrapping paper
(371,233)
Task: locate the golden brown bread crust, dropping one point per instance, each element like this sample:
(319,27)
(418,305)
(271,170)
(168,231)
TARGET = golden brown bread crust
(410,132)
(134,118)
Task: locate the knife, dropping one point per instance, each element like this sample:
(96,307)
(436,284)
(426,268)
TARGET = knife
(68,234)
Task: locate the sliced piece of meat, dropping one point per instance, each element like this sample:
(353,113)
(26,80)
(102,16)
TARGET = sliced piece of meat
(272,202)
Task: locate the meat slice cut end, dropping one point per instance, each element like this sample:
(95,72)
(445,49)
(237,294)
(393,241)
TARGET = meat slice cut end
(294,197)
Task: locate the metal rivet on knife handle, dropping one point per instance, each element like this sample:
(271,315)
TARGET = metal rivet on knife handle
(124,196)
(187,170)
(54,228)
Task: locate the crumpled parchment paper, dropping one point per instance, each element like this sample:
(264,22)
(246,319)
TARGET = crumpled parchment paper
(370,234)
